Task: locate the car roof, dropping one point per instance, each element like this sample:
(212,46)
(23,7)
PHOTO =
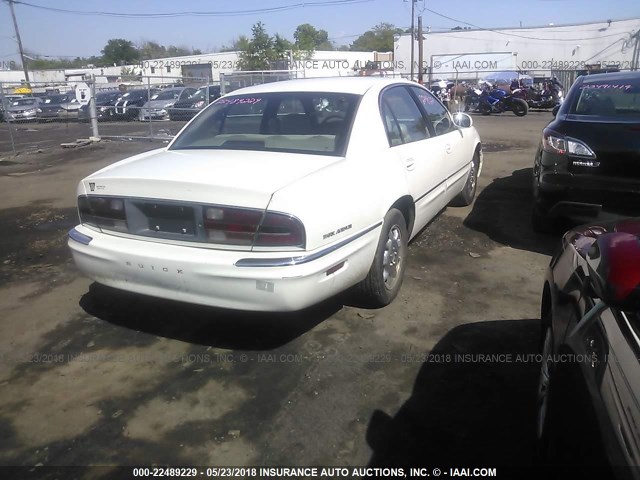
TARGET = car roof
(354,85)
(611,76)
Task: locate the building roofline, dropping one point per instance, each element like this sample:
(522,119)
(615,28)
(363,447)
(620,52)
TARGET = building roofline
(498,29)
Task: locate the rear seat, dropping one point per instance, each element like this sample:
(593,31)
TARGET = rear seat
(296,124)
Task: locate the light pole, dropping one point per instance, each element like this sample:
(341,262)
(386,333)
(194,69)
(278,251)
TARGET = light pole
(413,34)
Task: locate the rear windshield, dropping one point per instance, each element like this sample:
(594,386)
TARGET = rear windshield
(107,96)
(24,101)
(136,94)
(55,99)
(166,95)
(614,98)
(201,93)
(302,122)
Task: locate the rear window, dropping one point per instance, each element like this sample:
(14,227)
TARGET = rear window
(166,95)
(24,101)
(609,98)
(136,94)
(107,96)
(301,122)
(55,99)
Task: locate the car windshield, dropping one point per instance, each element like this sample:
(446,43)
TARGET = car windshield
(24,101)
(609,98)
(166,95)
(316,123)
(55,99)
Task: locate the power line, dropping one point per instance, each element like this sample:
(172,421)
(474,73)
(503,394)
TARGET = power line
(515,34)
(233,13)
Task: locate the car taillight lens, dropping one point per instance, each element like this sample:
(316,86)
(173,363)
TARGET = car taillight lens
(104,212)
(555,143)
(279,230)
(246,227)
(199,104)
(231,226)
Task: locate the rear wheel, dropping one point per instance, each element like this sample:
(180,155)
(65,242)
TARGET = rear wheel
(519,107)
(387,271)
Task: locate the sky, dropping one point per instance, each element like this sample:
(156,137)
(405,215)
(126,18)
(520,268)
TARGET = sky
(68,34)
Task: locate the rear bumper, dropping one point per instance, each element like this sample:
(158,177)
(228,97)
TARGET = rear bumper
(213,277)
(565,193)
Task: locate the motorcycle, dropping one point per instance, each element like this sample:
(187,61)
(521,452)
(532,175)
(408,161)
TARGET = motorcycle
(551,95)
(494,100)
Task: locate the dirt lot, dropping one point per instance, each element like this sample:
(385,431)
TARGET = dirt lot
(89,375)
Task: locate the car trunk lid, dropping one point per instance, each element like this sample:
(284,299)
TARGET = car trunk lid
(220,177)
(615,143)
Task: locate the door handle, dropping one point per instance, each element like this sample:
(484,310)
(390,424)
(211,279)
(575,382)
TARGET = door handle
(410,163)
(447,148)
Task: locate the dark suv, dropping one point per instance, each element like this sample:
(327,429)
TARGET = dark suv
(589,156)
(128,105)
(187,109)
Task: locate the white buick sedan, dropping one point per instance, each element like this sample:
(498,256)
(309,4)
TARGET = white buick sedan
(278,196)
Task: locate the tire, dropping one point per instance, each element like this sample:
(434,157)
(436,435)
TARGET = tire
(385,276)
(468,193)
(544,382)
(519,107)
(545,399)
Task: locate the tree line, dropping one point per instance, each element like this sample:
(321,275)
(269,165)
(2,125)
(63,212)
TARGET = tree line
(259,51)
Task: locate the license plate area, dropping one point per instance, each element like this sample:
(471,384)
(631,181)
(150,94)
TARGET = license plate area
(162,220)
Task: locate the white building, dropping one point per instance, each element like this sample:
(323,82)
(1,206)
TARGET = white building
(539,50)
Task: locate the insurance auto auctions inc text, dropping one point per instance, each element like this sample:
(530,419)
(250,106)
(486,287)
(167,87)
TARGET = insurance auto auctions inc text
(352,472)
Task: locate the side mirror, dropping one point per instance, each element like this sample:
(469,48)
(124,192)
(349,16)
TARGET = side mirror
(462,120)
(613,264)
(554,112)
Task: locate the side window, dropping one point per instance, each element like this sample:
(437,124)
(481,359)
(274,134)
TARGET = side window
(391,125)
(438,115)
(402,117)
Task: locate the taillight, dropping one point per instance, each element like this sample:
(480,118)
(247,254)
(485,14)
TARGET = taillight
(553,142)
(246,227)
(279,230)
(199,104)
(231,226)
(103,212)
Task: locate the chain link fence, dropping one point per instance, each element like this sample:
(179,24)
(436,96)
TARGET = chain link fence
(236,80)
(38,116)
(43,115)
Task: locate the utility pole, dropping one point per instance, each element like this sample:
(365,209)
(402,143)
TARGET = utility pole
(635,59)
(15,25)
(420,49)
(413,34)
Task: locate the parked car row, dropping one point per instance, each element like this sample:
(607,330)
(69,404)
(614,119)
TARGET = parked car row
(177,103)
